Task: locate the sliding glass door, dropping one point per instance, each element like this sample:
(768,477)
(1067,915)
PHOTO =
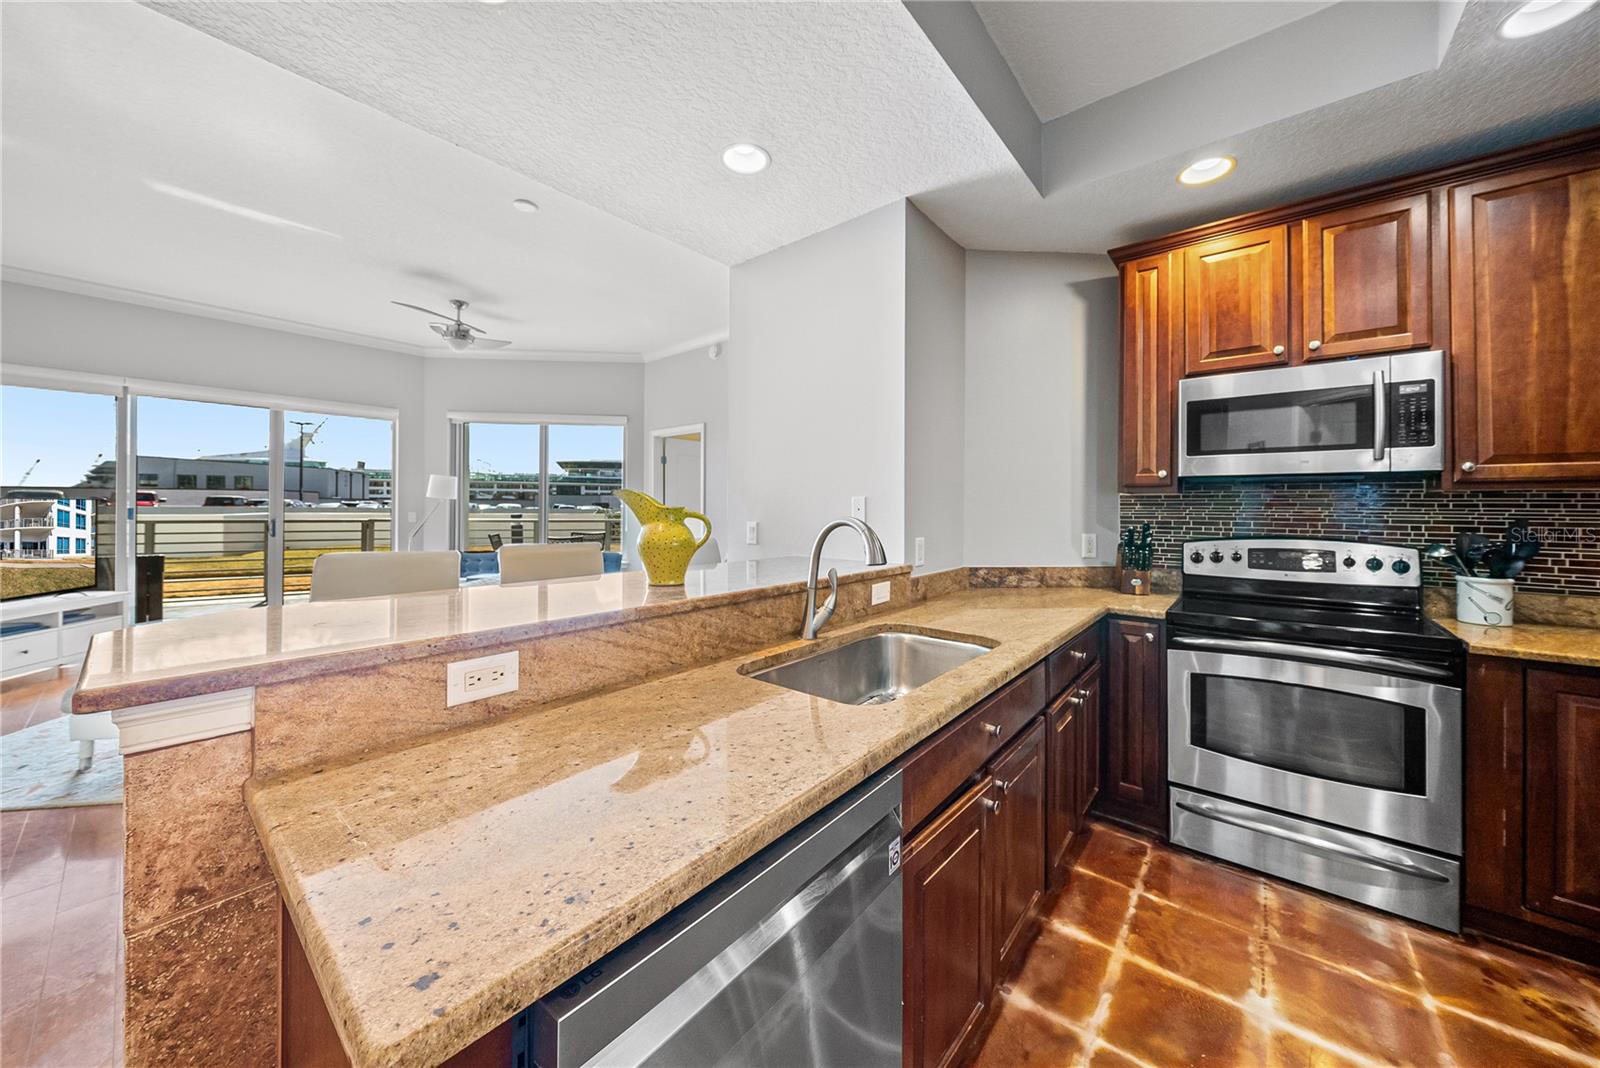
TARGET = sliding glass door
(537,482)
(338,491)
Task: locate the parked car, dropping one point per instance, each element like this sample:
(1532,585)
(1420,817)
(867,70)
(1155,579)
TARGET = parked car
(147,499)
(224,500)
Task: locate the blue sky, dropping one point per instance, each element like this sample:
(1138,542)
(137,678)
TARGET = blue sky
(67,431)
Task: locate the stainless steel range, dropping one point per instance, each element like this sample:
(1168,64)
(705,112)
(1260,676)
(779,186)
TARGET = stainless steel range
(1314,719)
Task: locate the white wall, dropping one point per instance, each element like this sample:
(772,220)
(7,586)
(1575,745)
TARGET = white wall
(1042,363)
(816,385)
(935,392)
(693,388)
(70,332)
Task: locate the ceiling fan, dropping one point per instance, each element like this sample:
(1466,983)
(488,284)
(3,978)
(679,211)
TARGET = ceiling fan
(456,334)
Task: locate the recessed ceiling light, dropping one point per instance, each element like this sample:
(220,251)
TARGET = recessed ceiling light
(522,203)
(1536,16)
(745,158)
(1206,170)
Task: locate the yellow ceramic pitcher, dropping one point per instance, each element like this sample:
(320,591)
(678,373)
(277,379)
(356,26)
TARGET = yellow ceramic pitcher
(666,544)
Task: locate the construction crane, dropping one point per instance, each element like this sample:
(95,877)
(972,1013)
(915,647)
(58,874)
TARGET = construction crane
(29,471)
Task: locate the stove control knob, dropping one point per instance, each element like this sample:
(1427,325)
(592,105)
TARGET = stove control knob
(1349,561)
(1216,556)
(1195,557)
(1374,564)
(1236,557)
(1400,567)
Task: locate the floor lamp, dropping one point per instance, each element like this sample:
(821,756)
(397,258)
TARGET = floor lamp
(441,488)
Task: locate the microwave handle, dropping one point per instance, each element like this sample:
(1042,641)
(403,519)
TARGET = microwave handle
(1380,415)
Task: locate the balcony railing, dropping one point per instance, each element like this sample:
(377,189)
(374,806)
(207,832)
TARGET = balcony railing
(8,524)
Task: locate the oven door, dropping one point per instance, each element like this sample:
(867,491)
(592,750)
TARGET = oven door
(1349,746)
(1318,419)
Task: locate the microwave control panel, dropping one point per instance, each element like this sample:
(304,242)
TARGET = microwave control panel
(1411,418)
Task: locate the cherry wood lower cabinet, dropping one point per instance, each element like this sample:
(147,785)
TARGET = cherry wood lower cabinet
(1532,814)
(1017,816)
(1073,726)
(1134,787)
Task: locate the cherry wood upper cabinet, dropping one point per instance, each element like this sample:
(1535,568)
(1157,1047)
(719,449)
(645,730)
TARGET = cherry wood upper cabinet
(948,931)
(1152,302)
(1365,279)
(1236,301)
(1525,323)
(1563,795)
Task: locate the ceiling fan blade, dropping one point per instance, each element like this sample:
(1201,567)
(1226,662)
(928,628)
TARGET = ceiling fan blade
(442,329)
(425,311)
(488,343)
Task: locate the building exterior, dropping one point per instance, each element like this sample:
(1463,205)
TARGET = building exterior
(43,525)
(188,482)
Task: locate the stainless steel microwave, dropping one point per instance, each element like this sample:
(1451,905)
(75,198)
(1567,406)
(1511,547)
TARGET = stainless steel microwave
(1368,416)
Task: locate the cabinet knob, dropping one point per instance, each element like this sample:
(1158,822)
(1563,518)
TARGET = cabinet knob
(1076,699)
(1004,785)
(1277,350)
(1079,654)
(1149,636)
(1468,466)
(992,728)
(992,804)
(1313,345)
(1161,473)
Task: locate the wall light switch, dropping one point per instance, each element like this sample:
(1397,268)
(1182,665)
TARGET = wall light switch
(1089,547)
(880,593)
(858,508)
(752,533)
(919,551)
(485,676)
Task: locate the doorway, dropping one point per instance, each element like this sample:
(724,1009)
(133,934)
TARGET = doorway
(678,458)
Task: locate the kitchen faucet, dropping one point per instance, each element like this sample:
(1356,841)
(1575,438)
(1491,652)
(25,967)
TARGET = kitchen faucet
(817,618)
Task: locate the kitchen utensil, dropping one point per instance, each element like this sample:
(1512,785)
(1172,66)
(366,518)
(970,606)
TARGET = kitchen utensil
(1446,556)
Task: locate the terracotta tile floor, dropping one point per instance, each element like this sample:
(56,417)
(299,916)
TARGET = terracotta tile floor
(60,916)
(1155,957)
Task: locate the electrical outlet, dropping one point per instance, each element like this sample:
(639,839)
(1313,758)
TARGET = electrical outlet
(858,508)
(1089,547)
(880,593)
(485,676)
(919,551)
(752,533)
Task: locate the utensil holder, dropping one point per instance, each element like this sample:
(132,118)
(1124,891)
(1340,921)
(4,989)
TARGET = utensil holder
(1487,602)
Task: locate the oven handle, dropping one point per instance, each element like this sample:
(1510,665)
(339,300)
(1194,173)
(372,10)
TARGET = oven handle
(1399,865)
(1380,415)
(1310,654)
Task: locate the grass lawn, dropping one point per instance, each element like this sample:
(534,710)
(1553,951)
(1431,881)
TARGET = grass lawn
(238,574)
(25,578)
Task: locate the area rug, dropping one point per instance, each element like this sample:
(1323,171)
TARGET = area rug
(39,769)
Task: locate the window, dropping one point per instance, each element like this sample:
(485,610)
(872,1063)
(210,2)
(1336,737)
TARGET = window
(63,519)
(147,478)
(216,482)
(82,521)
(244,482)
(83,502)
(187,482)
(83,546)
(62,545)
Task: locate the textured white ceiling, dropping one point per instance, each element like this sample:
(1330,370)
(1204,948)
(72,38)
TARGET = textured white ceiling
(1066,55)
(101,100)
(1488,93)
(629,105)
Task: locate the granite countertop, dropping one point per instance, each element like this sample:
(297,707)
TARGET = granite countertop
(251,646)
(441,888)
(1576,646)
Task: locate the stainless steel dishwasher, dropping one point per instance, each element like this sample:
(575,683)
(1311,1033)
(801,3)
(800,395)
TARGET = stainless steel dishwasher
(793,958)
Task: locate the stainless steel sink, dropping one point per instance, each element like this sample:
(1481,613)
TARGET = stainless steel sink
(874,669)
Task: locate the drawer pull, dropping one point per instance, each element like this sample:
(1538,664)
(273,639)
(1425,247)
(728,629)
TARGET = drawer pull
(993,729)
(1079,654)
(1149,635)
(1078,698)
(992,804)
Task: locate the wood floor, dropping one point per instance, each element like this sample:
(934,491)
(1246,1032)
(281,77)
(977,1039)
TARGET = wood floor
(1154,957)
(60,916)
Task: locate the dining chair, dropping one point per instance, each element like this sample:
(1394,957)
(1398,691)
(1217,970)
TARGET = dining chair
(708,555)
(341,576)
(535,563)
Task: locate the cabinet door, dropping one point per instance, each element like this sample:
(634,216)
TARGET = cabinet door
(948,926)
(1236,302)
(1365,280)
(1136,752)
(1017,819)
(1563,795)
(1151,303)
(1525,324)
(1064,726)
(1090,712)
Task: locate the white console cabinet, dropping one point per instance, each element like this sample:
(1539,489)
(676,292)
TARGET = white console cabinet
(45,632)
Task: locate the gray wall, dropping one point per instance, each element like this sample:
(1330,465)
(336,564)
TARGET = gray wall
(935,399)
(1042,367)
(693,388)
